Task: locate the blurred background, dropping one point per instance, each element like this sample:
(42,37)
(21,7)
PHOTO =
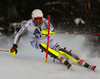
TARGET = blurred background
(66,16)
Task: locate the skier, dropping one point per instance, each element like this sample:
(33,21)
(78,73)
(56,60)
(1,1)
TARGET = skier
(38,40)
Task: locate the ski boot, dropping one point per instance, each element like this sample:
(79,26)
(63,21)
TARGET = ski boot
(64,61)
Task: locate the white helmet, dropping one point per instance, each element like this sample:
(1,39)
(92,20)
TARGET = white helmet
(37,13)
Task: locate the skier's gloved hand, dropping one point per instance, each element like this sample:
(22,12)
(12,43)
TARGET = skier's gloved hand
(13,50)
(45,32)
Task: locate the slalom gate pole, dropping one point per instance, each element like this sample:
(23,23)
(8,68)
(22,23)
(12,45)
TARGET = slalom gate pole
(46,58)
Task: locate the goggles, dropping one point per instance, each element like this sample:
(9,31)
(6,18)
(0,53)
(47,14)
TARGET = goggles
(37,19)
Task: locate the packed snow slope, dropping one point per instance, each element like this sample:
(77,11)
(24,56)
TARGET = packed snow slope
(29,63)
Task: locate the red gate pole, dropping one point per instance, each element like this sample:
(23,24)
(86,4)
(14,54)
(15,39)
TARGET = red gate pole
(46,58)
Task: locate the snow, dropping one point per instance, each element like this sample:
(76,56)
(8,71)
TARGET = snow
(29,63)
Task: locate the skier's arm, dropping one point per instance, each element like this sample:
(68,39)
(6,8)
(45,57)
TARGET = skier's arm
(45,32)
(22,31)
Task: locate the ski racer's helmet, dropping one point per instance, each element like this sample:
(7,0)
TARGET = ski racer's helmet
(37,13)
(37,17)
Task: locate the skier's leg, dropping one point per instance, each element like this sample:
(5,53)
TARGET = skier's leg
(35,44)
(55,55)
(53,45)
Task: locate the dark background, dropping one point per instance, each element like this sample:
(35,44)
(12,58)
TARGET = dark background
(63,13)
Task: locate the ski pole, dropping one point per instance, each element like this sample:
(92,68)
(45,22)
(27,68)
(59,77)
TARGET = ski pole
(5,50)
(86,33)
(73,33)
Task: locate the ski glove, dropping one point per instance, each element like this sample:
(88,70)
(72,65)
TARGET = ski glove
(13,50)
(45,32)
